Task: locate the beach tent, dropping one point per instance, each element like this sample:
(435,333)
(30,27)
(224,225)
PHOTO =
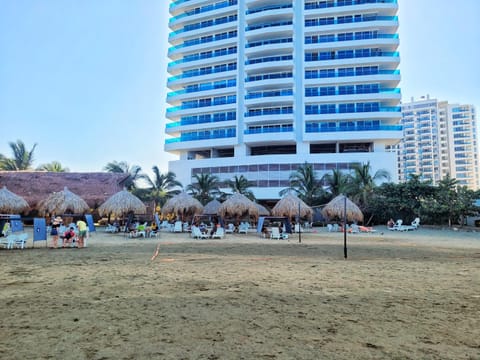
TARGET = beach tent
(121,203)
(292,207)
(183,205)
(11,203)
(238,205)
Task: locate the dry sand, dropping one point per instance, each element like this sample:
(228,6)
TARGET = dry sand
(411,295)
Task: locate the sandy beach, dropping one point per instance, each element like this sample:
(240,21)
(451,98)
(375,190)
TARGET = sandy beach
(400,295)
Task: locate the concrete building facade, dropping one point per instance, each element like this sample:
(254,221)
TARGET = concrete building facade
(440,139)
(259,87)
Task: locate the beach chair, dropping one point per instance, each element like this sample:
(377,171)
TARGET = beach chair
(111,229)
(416,223)
(21,241)
(397,226)
(243,228)
(178,227)
(275,234)
(8,242)
(229,229)
(197,234)
(219,234)
(354,229)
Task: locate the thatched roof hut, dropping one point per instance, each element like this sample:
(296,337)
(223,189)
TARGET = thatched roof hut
(121,203)
(62,202)
(336,209)
(289,206)
(35,186)
(183,205)
(212,207)
(11,203)
(238,205)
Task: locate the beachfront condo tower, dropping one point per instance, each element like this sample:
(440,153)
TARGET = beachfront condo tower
(260,87)
(440,139)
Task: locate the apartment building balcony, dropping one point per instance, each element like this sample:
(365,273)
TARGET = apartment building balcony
(269,64)
(386,96)
(277,11)
(188,31)
(271,96)
(189,15)
(270,134)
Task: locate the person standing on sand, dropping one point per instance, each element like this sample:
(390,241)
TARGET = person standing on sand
(54,232)
(82,232)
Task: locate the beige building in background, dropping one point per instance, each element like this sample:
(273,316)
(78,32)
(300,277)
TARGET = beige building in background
(439,139)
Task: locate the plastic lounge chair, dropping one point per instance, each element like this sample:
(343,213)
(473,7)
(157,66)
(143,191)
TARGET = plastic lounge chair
(275,234)
(229,229)
(8,242)
(416,223)
(397,226)
(197,234)
(178,226)
(21,241)
(219,234)
(243,228)
(354,229)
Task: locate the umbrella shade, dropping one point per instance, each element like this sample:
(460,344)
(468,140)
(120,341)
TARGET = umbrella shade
(123,202)
(11,203)
(183,204)
(262,210)
(212,207)
(289,206)
(60,202)
(336,209)
(238,205)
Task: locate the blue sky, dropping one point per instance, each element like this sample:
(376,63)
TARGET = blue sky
(86,79)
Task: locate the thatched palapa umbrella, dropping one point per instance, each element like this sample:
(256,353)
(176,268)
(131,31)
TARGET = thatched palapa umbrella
(212,207)
(345,209)
(238,205)
(183,205)
(11,203)
(62,201)
(292,206)
(121,203)
(336,209)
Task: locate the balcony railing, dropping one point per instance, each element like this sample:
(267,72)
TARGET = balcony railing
(268,42)
(204,55)
(318,110)
(269,130)
(203,9)
(270,111)
(347,20)
(269,59)
(268,25)
(205,87)
(203,25)
(338,3)
(206,135)
(324,128)
(348,54)
(262,94)
(330,74)
(203,71)
(310,92)
(205,40)
(268,8)
(269,76)
(332,38)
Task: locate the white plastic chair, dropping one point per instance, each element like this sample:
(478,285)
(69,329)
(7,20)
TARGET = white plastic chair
(21,240)
(178,226)
(275,234)
(8,242)
(229,229)
(219,234)
(197,234)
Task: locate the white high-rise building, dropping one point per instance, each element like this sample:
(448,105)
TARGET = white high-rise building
(440,139)
(259,87)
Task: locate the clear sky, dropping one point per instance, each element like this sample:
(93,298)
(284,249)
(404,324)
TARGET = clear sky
(86,79)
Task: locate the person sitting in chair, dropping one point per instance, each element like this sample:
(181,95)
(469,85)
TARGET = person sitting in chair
(68,236)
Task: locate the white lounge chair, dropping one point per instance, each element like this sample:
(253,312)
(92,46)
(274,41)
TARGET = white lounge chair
(243,228)
(197,234)
(397,225)
(178,226)
(219,234)
(8,242)
(416,223)
(229,229)
(275,234)
(21,241)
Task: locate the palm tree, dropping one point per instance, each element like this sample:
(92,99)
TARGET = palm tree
(306,185)
(22,158)
(240,184)
(364,182)
(163,186)
(204,188)
(337,182)
(122,167)
(54,166)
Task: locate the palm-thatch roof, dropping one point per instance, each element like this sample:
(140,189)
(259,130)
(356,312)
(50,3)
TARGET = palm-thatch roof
(212,207)
(123,202)
(11,203)
(238,205)
(262,210)
(336,209)
(182,204)
(35,186)
(292,206)
(62,202)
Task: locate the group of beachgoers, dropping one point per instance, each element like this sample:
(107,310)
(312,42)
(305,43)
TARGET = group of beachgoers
(69,237)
